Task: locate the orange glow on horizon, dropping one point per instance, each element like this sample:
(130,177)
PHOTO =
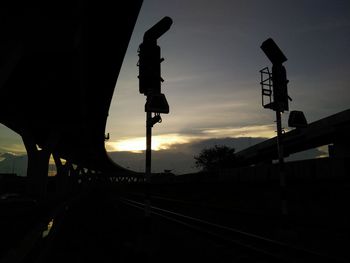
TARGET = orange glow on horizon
(137,145)
(166,141)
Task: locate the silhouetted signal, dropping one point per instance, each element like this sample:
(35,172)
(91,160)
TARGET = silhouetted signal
(149,68)
(150,58)
(150,84)
(157,103)
(273,52)
(297,119)
(279,84)
(278,77)
(156,31)
(150,79)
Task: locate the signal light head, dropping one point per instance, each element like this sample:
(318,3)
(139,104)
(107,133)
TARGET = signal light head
(273,52)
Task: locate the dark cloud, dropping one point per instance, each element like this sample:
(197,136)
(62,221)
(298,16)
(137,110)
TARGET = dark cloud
(237,143)
(7,156)
(177,161)
(180,157)
(309,154)
(12,163)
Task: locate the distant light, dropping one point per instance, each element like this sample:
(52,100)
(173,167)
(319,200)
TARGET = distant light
(47,231)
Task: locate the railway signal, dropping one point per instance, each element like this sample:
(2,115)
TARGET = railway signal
(150,82)
(277,80)
(274,87)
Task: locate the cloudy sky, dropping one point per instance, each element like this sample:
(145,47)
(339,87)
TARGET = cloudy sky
(211,70)
(212,62)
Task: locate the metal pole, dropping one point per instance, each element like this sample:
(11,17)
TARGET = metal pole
(148,145)
(148,161)
(281,168)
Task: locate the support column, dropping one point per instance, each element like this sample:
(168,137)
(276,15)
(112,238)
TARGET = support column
(62,179)
(74,176)
(37,169)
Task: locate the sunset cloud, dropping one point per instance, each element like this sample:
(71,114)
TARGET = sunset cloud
(167,141)
(266,131)
(138,144)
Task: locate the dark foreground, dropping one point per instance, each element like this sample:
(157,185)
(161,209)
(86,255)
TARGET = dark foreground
(201,222)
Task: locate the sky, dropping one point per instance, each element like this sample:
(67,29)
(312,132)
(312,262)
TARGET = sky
(211,71)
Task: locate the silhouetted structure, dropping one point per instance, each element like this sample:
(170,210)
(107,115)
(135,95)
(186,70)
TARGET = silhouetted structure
(59,66)
(280,100)
(332,130)
(150,81)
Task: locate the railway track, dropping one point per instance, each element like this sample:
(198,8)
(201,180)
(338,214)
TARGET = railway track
(266,249)
(110,227)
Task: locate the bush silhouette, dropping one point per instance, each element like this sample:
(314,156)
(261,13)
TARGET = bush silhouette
(216,158)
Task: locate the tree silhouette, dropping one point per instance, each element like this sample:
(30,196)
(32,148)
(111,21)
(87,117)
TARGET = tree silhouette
(216,158)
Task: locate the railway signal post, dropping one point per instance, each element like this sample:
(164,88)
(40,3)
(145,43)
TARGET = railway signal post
(275,97)
(150,85)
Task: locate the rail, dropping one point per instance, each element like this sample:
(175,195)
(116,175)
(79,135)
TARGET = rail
(266,247)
